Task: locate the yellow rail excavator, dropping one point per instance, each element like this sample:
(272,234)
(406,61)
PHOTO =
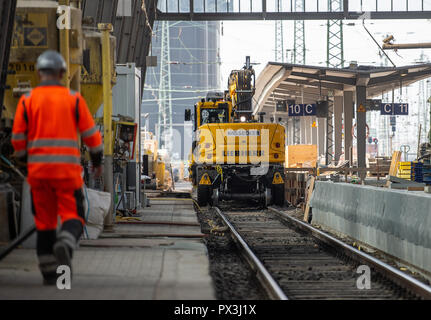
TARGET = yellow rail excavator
(235,156)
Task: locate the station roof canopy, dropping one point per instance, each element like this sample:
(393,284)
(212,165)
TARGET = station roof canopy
(308,84)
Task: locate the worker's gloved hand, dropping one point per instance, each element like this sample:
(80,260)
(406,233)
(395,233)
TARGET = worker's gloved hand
(97,171)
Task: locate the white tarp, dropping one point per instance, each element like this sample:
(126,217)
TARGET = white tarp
(96,207)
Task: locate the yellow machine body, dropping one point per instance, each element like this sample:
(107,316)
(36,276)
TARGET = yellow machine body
(91,71)
(241,143)
(160,173)
(35,31)
(234,156)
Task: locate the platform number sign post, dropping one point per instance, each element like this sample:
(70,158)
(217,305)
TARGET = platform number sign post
(301,110)
(394,109)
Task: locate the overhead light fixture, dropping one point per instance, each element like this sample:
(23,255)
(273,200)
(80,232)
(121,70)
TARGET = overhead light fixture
(242,119)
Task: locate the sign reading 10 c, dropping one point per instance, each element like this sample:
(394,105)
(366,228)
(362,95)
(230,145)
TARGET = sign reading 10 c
(300,110)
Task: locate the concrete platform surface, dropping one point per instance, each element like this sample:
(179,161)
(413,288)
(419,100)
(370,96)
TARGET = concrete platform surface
(127,268)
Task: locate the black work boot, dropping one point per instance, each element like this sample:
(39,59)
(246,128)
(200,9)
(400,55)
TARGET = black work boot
(63,248)
(67,240)
(48,266)
(47,262)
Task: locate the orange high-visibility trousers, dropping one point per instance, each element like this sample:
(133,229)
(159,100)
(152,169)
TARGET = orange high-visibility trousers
(56,197)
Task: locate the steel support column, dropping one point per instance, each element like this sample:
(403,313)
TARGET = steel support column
(279,41)
(329,156)
(348,119)
(302,126)
(299,35)
(165,130)
(361,96)
(321,136)
(335,46)
(290,131)
(296,131)
(313,130)
(338,127)
(106,29)
(307,130)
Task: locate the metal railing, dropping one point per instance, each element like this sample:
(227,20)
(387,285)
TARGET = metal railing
(272,9)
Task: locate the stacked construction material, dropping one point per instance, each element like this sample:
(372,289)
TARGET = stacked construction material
(379,166)
(404,170)
(427,172)
(417,172)
(294,187)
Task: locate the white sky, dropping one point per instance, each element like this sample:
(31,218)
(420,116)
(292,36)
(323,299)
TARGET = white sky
(257,38)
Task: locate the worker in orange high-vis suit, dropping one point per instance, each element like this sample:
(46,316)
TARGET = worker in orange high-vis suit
(45,134)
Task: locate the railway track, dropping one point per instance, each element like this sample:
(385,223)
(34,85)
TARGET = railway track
(293,260)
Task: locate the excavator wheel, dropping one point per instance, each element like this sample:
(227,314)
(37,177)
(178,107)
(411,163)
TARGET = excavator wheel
(204,195)
(278,197)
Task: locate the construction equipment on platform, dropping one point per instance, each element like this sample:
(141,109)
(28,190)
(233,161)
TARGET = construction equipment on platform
(156,164)
(149,159)
(37,28)
(162,171)
(235,156)
(404,170)
(35,31)
(124,133)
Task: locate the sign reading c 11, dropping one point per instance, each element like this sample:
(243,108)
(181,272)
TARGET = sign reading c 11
(397,109)
(299,110)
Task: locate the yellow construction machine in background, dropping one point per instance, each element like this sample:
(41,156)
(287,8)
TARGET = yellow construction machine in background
(38,27)
(235,156)
(35,31)
(156,164)
(89,55)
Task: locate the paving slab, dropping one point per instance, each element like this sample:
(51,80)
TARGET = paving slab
(176,210)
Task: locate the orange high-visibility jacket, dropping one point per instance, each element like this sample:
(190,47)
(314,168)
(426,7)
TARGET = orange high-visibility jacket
(46,127)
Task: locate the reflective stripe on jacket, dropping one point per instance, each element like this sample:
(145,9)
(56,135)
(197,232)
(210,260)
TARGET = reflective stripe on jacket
(46,126)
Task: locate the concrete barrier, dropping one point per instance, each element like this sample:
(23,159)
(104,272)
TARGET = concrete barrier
(394,221)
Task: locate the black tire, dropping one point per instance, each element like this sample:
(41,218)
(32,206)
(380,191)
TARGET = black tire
(278,197)
(203,195)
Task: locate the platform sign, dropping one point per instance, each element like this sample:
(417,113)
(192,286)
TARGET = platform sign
(300,110)
(401,109)
(281,106)
(397,109)
(373,104)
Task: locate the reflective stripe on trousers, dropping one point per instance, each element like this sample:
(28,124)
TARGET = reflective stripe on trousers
(47,263)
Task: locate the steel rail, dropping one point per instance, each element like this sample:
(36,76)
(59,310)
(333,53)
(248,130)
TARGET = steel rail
(405,281)
(267,281)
